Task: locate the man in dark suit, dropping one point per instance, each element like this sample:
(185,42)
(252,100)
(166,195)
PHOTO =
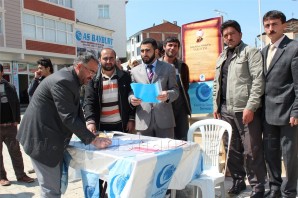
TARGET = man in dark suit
(155,119)
(280,106)
(51,118)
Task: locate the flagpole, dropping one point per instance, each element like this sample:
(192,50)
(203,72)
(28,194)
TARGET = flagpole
(260,19)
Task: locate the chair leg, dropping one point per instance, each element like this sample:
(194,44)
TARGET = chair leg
(222,189)
(207,194)
(173,193)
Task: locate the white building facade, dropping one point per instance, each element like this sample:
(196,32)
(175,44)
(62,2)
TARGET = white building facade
(107,14)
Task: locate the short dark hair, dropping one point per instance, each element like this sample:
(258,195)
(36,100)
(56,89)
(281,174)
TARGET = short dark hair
(46,62)
(171,39)
(275,14)
(84,57)
(107,48)
(230,23)
(1,68)
(150,41)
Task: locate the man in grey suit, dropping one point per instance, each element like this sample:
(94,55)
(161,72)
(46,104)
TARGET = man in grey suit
(280,106)
(155,119)
(51,118)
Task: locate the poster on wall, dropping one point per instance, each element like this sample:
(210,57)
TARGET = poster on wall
(202,44)
(87,41)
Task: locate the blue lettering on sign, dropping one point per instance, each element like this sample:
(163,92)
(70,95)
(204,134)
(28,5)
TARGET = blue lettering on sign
(86,37)
(93,38)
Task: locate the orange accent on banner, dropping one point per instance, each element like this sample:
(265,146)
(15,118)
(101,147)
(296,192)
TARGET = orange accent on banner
(202,45)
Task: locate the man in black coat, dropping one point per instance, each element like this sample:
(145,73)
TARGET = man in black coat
(9,119)
(106,104)
(51,118)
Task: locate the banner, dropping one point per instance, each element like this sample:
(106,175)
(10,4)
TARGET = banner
(202,45)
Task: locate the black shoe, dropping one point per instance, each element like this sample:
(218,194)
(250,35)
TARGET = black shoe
(257,194)
(238,186)
(273,194)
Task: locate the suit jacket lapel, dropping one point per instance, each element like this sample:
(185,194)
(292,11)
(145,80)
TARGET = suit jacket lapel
(279,51)
(156,72)
(143,72)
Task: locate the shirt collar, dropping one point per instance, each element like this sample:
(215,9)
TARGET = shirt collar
(276,44)
(154,63)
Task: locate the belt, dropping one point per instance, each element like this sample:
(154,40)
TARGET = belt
(6,124)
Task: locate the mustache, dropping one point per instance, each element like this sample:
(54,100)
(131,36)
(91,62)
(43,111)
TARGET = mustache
(272,32)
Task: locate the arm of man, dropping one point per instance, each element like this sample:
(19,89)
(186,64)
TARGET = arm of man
(172,91)
(294,68)
(91,106)
(68,109)
(255,65)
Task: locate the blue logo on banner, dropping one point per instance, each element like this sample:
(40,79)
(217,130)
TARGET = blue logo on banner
(90,184)
(78,35)
(117,183)
(119,175)
(203,92)
(165,175)
(165,167)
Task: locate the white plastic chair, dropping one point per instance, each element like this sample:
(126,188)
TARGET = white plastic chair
(212,131)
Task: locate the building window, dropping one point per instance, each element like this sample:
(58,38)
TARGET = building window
(103,11)
(65,3)
(40,28)
(138,38)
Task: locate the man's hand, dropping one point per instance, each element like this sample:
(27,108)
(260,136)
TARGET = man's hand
(247,116)
(163,96)
(293,121)
(216,115)
(134,101)
(130,126)
(100,142)
(92,128)
(37,74)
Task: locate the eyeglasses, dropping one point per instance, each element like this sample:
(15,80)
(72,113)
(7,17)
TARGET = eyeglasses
(91,72)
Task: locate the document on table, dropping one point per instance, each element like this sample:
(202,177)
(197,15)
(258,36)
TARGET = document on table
(159,145)
(147,92)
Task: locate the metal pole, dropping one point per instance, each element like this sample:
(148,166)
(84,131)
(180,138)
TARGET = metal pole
(260,19)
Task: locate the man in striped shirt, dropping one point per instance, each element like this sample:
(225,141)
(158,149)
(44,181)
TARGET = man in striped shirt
(106,104)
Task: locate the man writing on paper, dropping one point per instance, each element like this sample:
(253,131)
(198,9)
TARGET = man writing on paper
(155,119)
(51,118)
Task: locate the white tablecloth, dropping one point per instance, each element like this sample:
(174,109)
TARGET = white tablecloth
(136,166)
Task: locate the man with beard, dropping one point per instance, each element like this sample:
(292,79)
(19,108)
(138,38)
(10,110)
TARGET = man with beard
(155,119)
(51,118)
(181,106)
(105,105)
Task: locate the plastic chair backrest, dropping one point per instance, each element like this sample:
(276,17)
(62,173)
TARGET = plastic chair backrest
(212,131)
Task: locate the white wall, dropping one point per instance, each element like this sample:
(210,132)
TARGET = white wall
(87,11)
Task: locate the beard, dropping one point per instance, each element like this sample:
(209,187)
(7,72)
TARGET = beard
(107,67)
(170,54)
(149,60)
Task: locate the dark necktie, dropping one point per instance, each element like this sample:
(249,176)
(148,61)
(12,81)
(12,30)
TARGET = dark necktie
(150,72)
